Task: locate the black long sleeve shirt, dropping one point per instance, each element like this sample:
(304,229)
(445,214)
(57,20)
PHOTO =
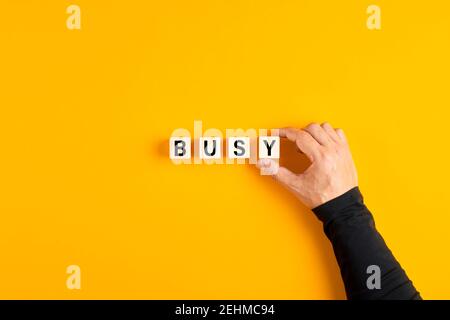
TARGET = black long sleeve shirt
(357,245)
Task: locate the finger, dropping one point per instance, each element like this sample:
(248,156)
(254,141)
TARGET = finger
(341,135)
(289,133)
(319,134)
(330,131)
(305,142)
(283,175)
(263,163)
(298,149)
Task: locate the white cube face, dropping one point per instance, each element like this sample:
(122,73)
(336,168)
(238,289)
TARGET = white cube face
(180,147)
(269,147)
(210,148)
(238,148)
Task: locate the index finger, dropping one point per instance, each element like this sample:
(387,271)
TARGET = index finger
(304,141)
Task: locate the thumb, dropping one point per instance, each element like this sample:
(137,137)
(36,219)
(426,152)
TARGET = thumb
(285,177)
(281,174)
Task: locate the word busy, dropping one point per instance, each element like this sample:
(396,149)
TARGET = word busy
(237,147)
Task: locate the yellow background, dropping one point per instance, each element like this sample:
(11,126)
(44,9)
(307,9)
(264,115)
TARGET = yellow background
(85,116)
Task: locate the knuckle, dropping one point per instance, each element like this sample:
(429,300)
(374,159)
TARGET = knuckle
(313,126)
(302,134)
(323,155)
(328,156)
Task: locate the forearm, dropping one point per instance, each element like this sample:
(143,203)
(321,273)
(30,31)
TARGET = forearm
(357,245)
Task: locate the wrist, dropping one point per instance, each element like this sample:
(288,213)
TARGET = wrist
(329,210)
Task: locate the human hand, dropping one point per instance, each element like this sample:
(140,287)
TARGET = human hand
(332,171)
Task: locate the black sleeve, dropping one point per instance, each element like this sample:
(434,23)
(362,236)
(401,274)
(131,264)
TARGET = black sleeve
(357,245)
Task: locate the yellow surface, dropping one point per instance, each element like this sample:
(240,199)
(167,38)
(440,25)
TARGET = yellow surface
(85,116)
